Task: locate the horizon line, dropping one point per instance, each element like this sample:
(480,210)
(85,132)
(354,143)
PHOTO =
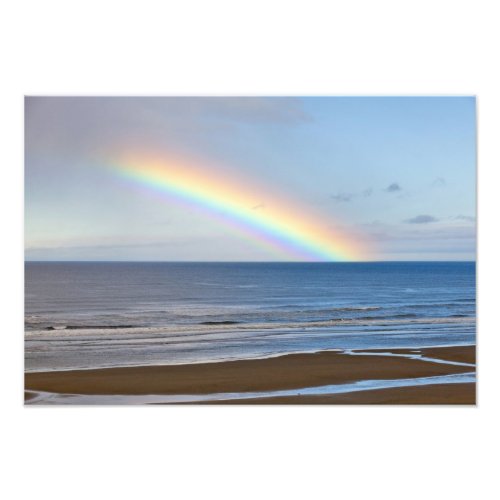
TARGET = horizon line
(244,261)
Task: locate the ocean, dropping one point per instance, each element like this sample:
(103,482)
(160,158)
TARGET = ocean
(106,314)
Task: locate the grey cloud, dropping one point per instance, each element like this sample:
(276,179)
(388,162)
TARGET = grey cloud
(393,187)
(380,236)
(439,182)
(372,223)
(343,196)
(421,219)
(433,233)
(467,218)
(84,114)
(422,241)
(426,241)
(75,127)
(256,109)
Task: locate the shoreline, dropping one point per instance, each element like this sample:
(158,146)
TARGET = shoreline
(291,371)
(436,394)
(394,349)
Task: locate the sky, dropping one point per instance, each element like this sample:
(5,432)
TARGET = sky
(250,178)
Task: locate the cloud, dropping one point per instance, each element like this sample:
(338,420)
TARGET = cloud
(424,242)
(79,127)
(392,188)
(343,196)
(439,182)
(421,219)
(467,218)
(372,223)
(254,109)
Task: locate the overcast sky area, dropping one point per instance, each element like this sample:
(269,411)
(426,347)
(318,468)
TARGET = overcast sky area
(400,172)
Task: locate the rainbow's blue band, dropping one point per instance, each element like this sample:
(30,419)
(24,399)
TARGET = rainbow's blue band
(284,228)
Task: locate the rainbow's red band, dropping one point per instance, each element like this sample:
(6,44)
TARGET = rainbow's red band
(292,231)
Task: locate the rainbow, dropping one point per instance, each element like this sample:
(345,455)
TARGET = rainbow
(292,232)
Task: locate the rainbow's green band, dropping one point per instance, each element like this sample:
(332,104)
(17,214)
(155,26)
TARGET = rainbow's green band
(293,231)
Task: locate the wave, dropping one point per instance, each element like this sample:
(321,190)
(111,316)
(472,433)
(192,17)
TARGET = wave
(219,322)
(223,327)
(389,316)
(360,308)
(300,308)
(87,327)
(427,306)
(264,318)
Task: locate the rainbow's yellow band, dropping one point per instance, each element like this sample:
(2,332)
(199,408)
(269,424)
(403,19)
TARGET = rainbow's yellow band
(293,231)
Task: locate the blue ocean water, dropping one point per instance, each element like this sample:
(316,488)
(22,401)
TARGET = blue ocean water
(84,315)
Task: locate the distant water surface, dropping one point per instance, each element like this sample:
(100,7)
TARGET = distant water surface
(85,315)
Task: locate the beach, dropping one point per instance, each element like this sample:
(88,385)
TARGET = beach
(292,372)
(245,333)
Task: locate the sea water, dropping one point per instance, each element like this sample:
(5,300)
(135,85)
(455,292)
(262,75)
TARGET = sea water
(102,314)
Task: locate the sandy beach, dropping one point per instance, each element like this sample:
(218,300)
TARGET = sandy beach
(448,394)
(294,371)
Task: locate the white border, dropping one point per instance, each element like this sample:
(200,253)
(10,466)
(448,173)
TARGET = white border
(223,47)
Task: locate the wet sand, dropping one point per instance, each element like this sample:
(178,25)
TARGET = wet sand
(284,372)
(444,394)
(465,354)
